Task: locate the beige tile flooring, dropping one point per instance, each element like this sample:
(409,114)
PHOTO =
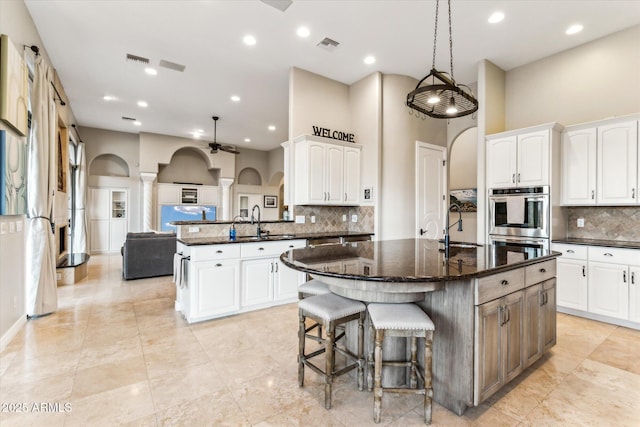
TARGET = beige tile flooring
(118,354)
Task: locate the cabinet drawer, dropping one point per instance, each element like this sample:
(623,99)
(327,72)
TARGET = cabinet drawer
(614,255)
(570,251)
(540,272)
(492,287)
(269,249)
(214,252)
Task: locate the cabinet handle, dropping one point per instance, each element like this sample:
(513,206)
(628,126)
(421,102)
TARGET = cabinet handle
(218,265)
(291,246)
(593,194)
(271,268)
(506,309)
(608,254)
(513,178)
(633,193)
(518,177)
(345,197)
(276,264)
(219,251)
(328,195)
(542,270)
(504,282)
(501,315)
(584,273)
(624,277)
(571,251)
(261,249)
(633,278)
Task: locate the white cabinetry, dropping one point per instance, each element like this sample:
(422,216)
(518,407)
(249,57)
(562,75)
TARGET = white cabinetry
(326,172)
(599,283)
(521,158)
(179,194)
(108,218)
(600,163)
(265,279)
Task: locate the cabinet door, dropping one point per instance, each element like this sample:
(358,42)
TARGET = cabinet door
(257,281)
(617,163)
(334,174)
(533,159)
(168,194)
(215,288)
(488,378)
(100,203)
(99,235)
(316,177)
(579,167)
(548,324)
(532,343)
(351,175)
(512,333)
(286,282)
(117,234)
(207,195)
(608,289)
(572,283)
(501,162)
(634,294)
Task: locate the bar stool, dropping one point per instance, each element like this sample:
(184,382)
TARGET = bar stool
(408,321)
(330,310)
(312,287)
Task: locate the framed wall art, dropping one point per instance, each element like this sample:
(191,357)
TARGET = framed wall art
(270,201)
(14,86)
(13,174)
(467,200)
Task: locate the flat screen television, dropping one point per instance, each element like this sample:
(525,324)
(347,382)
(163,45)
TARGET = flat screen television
(169,213)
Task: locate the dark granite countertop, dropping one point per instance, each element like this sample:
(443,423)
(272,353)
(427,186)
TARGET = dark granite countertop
(411,260)
(598,242)
(197,241)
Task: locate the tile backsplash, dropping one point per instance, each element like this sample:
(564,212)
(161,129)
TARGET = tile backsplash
(605,222)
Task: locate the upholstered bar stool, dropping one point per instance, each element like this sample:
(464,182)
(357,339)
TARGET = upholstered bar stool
(401,320)
(312,287)
(330,310)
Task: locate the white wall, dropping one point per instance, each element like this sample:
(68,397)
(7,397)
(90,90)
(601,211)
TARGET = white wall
(188,165)
(593,81)
(400,131)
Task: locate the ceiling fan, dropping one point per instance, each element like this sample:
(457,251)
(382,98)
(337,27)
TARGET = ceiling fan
(215,146)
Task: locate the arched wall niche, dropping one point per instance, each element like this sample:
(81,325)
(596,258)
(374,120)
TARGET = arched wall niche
(188,165)
(277,179)
(109,165)
(463,160)
(249,176)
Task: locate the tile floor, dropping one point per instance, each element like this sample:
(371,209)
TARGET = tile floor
(116,353)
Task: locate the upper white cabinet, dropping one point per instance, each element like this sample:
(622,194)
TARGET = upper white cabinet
(326,172)
(600,163)
(178,194)
(521,158)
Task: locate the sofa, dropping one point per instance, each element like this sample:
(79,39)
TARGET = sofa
(148,254)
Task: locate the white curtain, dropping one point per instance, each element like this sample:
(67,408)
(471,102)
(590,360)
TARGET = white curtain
(42,297)
(79,232)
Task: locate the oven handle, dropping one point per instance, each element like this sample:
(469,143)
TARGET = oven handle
(522,241)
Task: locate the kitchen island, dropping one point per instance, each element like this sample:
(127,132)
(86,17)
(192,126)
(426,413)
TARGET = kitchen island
(493,306)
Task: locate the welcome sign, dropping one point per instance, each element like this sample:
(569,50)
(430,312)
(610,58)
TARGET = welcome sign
(328,133)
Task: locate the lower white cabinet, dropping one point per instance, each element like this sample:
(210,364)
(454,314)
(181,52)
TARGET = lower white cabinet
(600,283)
(216,286)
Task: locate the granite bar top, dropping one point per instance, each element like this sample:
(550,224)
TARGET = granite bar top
(195,241)
(599,242)
(411,260)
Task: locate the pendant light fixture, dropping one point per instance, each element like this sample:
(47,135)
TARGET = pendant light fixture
(440,97)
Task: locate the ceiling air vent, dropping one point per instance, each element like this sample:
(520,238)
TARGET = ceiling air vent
(328,44)
(172,65)
(137,58)
(128,118)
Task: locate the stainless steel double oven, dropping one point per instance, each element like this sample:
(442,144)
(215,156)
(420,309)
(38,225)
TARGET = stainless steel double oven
(520,216)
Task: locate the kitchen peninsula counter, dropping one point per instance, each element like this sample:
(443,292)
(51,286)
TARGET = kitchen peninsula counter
(493,306)
(217,240)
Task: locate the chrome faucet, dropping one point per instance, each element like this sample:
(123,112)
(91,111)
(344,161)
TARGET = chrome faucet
(447,227)
(259,230)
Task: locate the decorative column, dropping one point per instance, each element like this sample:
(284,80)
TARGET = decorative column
(225,183)
(147,199)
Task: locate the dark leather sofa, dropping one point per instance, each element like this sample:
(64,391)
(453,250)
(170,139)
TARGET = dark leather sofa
(148,254)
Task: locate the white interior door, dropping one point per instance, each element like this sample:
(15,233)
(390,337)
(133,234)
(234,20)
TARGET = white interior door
(431,190)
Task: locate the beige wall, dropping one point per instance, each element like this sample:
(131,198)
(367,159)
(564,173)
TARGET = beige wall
(400,131)
(594,81)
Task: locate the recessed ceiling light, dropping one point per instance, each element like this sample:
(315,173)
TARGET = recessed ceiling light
(151,71)
(109,98)
(369,59)
(574,29)
(272,127)
(196,134)
(137,123)
(143,104)
(303,32)
(198,131)
(249,40)
(496,17)
(235,98)
(247,140)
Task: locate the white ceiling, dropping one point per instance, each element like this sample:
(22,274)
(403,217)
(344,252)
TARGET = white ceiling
(87,42)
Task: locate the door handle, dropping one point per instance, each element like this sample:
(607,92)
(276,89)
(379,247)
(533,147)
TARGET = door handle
(422,231)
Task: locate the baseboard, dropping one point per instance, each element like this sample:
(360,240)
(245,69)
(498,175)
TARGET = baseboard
(598,317)
(13,330)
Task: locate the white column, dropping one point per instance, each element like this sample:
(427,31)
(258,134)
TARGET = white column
(147,199)
(225,183)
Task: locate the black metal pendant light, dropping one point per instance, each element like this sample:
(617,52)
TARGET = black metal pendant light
(441,97)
